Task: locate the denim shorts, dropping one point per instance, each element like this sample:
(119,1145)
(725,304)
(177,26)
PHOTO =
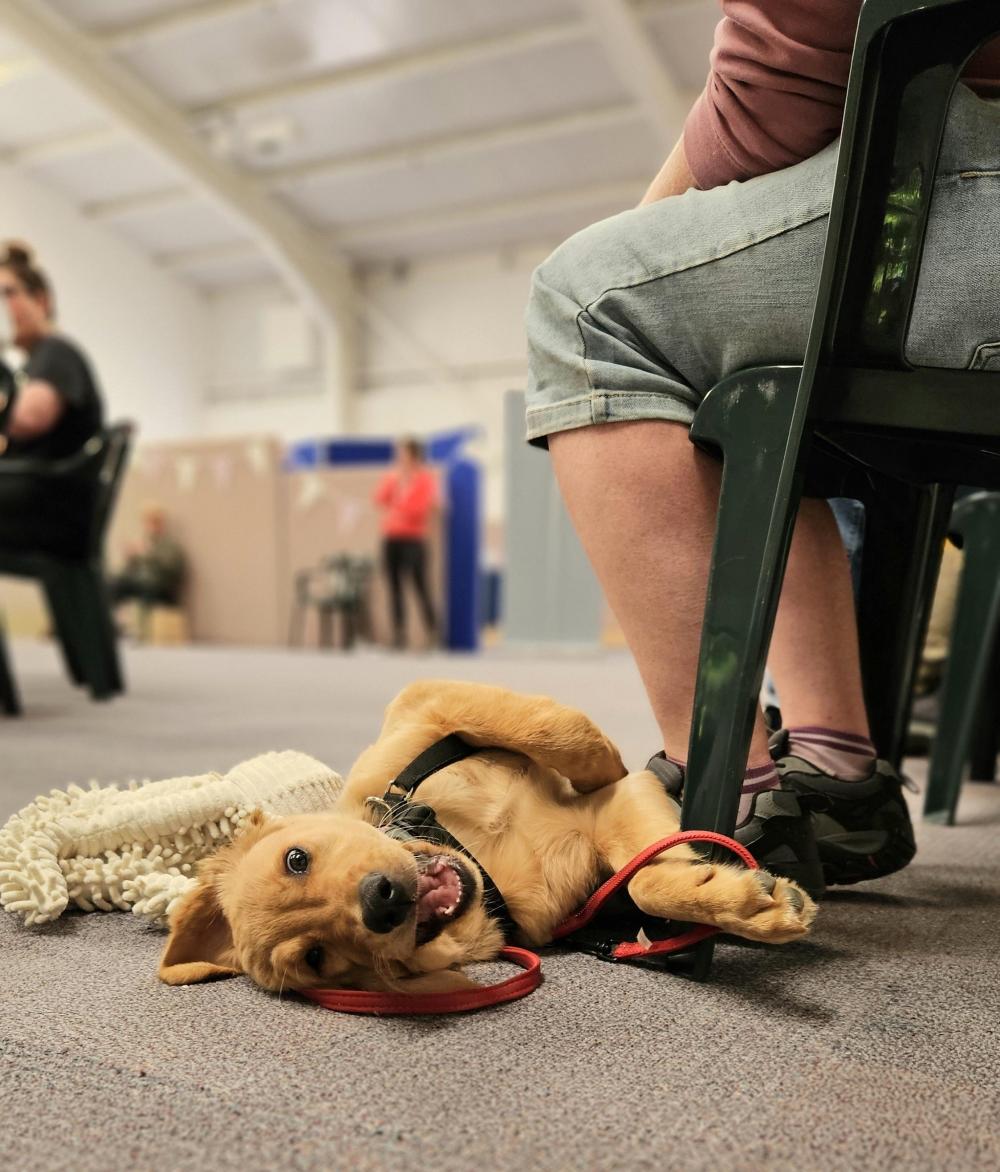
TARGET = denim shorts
(639,315)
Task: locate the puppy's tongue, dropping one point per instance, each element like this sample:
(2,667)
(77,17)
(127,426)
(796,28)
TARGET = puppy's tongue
(438,891)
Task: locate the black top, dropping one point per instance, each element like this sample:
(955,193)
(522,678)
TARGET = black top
(61,364)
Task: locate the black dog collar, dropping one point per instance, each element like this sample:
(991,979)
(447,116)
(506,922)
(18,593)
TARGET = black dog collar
(404,819)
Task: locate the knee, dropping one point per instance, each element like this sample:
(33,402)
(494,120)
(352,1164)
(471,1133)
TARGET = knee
(582,268)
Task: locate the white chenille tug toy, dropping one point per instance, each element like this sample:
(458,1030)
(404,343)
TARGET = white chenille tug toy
(135,849)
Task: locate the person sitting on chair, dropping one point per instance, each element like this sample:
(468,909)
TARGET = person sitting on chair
(633,320)
(153,574)
(48,411)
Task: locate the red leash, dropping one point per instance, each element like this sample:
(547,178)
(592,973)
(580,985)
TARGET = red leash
(516,987)
(619,878)
(362,1001)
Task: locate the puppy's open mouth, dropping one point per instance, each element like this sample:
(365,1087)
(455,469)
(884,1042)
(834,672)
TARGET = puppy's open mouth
(444,890)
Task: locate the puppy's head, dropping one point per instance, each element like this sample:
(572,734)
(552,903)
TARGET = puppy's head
(328,901)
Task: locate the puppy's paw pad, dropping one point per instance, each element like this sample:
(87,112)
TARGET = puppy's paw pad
(787,916)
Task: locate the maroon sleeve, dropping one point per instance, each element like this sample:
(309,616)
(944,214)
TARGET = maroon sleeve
(775,92)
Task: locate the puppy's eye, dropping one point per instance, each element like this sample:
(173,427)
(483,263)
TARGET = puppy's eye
(296,861)
(314,958)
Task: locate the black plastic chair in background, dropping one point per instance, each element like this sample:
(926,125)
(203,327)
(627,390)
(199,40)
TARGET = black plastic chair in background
(855,420)
(338,586)
(70,568)
(10,701)
(968,732)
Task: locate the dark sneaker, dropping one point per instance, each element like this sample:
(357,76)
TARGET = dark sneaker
(778,832)
(862,828)
(925,716)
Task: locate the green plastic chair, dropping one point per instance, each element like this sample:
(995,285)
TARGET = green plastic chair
(968,732)
(73,578)
(855,419)
(10,701)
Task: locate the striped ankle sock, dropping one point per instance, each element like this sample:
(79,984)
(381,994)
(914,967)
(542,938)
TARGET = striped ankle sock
(755,781)
(846,756)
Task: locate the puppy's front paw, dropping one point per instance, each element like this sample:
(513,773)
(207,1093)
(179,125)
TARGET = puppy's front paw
(768,909)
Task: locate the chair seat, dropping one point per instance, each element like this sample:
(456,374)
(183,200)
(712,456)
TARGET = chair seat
(922,426)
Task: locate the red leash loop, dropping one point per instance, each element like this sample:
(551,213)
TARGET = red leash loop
(610,886)
(462,1001)
(465,1000)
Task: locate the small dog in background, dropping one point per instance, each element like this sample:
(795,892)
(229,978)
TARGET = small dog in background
(545,807)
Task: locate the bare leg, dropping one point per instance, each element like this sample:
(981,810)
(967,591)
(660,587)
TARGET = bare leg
(814,651)
(644,501)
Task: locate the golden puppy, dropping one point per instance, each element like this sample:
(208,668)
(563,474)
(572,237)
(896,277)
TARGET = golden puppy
(329,900)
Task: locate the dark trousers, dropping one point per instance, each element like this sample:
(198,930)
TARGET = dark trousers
(127,588)
(407,557)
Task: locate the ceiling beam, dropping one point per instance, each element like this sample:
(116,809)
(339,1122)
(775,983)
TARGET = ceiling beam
(419,152)
(175,20)
(64,146)
(322,279)
(351,237)
(138,202)
(623,193)
(14,68)
(181,260)
(619,28)
(415,154)
(402,65)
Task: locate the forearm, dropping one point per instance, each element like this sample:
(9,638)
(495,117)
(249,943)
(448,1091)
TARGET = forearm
(36,410)
(673,178)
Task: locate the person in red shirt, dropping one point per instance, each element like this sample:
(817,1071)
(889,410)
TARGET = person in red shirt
(408,496)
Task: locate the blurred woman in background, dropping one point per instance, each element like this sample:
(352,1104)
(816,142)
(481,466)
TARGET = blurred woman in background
(408,496)
(48,411)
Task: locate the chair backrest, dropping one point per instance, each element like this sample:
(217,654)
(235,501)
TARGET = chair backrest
(908,56)
(103,460)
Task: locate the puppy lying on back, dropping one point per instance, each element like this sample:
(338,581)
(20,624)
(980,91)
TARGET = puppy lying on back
(547,809)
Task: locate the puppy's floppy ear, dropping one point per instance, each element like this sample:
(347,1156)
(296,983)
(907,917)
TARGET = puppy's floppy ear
(200,946)
(550,733)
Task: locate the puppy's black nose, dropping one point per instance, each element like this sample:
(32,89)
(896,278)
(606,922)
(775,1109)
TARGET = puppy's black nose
(385,902)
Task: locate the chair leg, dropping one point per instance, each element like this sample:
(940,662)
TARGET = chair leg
(325,626)
(10,701)
(973,640)
(90,630)
(759,500)
(60,604)
(904,532)
(295,625)
(986,732)
(761,486)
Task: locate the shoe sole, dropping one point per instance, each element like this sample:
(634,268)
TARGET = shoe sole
(848,858)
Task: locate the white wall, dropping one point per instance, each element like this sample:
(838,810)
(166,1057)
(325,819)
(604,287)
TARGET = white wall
(441,340)
(144,330)
(248,389)
(463,318)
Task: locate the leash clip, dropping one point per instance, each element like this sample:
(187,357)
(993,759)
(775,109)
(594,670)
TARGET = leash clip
(380,807)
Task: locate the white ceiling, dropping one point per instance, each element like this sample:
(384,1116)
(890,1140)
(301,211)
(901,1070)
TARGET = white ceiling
(388,129)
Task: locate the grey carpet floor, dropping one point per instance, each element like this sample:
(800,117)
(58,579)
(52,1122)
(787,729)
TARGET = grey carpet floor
(872,1045)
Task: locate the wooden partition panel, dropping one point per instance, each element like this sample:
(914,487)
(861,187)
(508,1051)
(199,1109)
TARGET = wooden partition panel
(225,504)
